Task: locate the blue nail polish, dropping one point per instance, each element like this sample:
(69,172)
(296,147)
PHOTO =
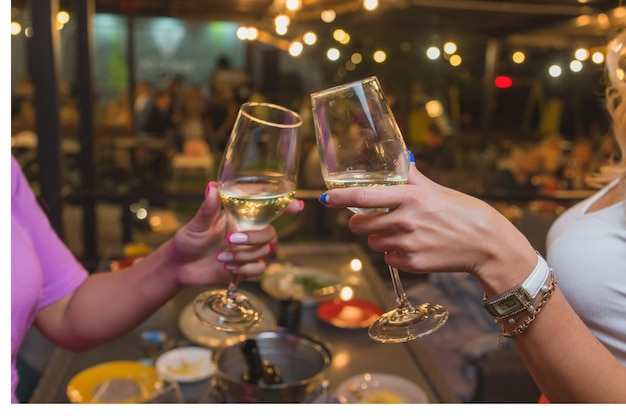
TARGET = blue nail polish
(411,157)
(323,199)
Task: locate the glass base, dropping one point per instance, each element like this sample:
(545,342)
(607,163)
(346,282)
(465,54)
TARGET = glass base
(215,309)
(406,324)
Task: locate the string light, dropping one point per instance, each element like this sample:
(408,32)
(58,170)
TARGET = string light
(449,48)
(433,53)
(333,54)
(370,5)
(328,16)
(295,48)
(293,5)
(379,56)
(555,70)
(576,66)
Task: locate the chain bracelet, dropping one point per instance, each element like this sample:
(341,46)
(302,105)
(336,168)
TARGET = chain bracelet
(529,319)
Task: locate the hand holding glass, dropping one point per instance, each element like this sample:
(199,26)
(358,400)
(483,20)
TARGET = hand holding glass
(360,145)
(257,180)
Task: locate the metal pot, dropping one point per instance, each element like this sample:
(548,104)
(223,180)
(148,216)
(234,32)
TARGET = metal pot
(301,360)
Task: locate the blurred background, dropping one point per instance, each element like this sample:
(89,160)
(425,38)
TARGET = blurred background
(120,109)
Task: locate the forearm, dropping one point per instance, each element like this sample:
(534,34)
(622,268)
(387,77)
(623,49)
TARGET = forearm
(566,360)
(109,304)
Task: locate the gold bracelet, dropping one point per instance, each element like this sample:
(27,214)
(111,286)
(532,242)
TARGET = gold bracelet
(547,291)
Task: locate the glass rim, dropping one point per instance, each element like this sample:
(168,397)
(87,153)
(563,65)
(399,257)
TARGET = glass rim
(366,80)
(245,110)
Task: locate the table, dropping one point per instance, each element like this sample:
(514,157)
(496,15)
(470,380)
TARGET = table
(353,352)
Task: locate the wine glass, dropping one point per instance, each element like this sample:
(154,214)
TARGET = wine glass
(256,181)
(360,144)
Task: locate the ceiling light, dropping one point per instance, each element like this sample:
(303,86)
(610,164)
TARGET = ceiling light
(597,57)
(295,49)
(555,70)
(433,108)
(518,57)
(575,66)
(281,20)
(293,5)
(370,4)
(449,48)
(328,16)
(455,60)
(433,53)
(16,28)
(581,54)
(309,38)
(379,56)
(63,17)
(333,54)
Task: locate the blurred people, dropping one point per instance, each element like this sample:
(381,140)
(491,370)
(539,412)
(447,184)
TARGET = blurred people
(143,102)
(580,164)
(435,156)
(157,120)
(517,172)
(22,106)
(551,154)
(220,117)
(118,113)
(191,123)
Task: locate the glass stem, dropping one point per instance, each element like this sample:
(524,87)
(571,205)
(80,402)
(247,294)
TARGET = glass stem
(231,291)
(401,300)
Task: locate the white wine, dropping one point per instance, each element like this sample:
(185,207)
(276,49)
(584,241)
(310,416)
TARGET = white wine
(253,202)
(364,179)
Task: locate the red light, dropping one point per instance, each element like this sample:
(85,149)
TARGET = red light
(503,82)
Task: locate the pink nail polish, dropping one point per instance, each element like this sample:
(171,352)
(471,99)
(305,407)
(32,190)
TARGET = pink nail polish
(301,204)
(224,257)
(237,238)
(207,190)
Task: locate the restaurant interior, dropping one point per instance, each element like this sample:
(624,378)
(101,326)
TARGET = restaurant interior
(121,110)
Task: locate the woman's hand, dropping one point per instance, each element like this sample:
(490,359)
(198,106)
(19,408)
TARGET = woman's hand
(201,251)
(431,228)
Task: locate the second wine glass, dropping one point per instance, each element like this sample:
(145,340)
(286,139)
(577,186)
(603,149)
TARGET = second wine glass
(360,145)
(257,179)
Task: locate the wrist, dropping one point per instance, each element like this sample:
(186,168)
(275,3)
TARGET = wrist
(522,297)
(504,270)
(167,258)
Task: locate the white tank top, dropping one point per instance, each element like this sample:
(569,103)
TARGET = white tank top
(588,254)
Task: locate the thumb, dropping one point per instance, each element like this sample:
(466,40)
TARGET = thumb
(209,211)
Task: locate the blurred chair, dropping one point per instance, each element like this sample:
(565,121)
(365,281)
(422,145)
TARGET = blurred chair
(195,158)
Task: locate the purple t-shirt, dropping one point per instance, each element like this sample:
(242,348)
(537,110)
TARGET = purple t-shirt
(43,270)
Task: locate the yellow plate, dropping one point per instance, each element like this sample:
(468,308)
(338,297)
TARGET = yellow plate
(115,382)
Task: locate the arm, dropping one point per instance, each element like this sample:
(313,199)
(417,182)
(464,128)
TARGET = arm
(431,228)
(109,304)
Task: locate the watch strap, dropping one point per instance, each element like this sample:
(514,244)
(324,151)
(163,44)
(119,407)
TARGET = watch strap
(521,297)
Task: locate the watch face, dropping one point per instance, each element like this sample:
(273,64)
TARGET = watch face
(511,303)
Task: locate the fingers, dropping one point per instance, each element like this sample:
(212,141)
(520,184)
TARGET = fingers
(295,206)
(364,197)
(251,269)
(209,211)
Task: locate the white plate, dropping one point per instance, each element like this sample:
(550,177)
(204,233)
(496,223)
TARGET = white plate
(380,388)
(298,283)
(199,333)
(185,364)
